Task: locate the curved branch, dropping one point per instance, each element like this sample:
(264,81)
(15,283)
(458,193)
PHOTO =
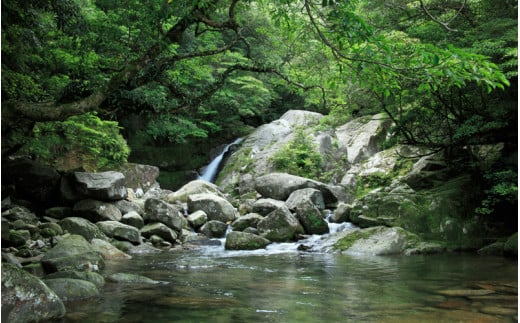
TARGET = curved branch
(445,25)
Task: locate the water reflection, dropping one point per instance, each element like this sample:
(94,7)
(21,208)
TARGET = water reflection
(300,287)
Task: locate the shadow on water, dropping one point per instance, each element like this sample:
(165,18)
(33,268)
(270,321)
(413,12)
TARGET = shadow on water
(306,287)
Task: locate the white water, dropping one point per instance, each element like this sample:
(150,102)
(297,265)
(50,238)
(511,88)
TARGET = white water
(276,247)
(210,172)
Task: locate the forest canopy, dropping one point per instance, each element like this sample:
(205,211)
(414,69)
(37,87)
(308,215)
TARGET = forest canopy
(444,71)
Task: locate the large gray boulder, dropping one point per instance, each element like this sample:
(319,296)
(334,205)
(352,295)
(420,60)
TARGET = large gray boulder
(72,252)
(101,186)
(108,251)
(25,298)
(279,226)
(134,219)
(120,231)
(70,289)
(279,186)
(214,229)
(194,187)
(249,220)
(82,227)
(311,218)
(160,230)
(236,240)
(159,211)
(95,211)
(362,137)
(139,176)
(216,207)
(306,194)
(197,219)
(267,205)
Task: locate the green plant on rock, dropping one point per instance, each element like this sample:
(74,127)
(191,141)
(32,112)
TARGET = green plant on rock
(299,157)
(91,142)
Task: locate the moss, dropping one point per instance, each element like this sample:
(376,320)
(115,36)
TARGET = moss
(347,241)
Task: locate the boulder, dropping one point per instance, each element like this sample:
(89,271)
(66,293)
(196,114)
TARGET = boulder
(134,219)
(279,186)
(95,211)
(306,194)
(105,186)
(197,219)
(82,227)
(25,298)
(50,229)
(121,231)
(341,213)
(280,225)
(138,176)
(126,206)
(59,212)
(108,251)
(311,218)
(363,136)
(20,213)
(214,229)
(31,180)
(160,230)
(159,211)
(72,252)
(92,277)
(126,278)
(249,220)
(266,206)
(69,289)
(378,241)
(236,240)
(511,245)
(191,188)
(216,207)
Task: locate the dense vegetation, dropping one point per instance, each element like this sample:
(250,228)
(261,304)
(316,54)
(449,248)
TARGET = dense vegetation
(173,72)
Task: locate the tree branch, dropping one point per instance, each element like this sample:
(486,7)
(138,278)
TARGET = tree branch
(445,25)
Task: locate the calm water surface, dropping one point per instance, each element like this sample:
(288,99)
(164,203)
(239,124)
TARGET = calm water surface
(211,285)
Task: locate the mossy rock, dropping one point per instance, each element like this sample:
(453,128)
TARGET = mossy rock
(69,289)
(511,245)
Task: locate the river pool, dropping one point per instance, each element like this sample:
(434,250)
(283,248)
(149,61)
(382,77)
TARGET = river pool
(212,285)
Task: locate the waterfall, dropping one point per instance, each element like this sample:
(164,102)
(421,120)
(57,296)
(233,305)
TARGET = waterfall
(210,172)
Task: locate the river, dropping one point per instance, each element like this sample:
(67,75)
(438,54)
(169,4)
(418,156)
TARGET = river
(212,285)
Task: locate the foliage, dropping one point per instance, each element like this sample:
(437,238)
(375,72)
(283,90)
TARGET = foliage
(94,143)
(299,157)
(503,192)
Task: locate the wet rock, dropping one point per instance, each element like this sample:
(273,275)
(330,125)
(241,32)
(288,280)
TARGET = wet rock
(120,231)
(265,206)
(18,238)
(159,211)
(280,225)
(20,213)
(159,229)
(251,230)
(134,219)
(72,252)
(499,310)
(216,207)
(69,289)
(108,251)
(236,240)
(197,219)
(95,211)
(82,227)
(214,229)
(26,298)
(425,248)
(129,206)
(341,213)
(465,292)
(306,194)
(246,221)
(495,249)
(511,245)
(91,277)
(12,259)
(50,229)
(105,186)
(310,217)
(126,278)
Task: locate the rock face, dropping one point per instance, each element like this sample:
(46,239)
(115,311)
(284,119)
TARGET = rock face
(25,298)
(244,241)
(280,225)
(216,207)
(102,186)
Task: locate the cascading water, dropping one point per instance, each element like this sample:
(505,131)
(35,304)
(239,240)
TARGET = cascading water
(210,172)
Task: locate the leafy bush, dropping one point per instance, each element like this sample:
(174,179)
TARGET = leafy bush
(85,140)
(299,157)
(503,191)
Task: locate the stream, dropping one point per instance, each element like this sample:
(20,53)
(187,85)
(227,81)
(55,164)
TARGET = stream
(284,285)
